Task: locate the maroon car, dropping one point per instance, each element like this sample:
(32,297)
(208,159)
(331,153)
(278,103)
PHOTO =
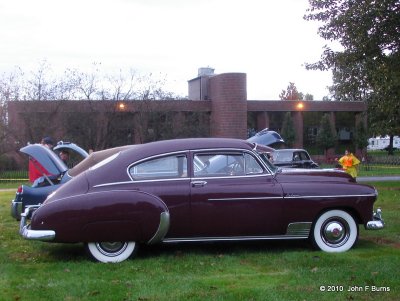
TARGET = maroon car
(203,189)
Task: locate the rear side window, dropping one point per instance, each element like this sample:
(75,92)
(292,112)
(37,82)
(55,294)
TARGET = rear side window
(173,166)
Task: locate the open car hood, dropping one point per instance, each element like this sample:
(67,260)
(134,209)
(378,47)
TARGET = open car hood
(71,146)
(266,137)
(46,157)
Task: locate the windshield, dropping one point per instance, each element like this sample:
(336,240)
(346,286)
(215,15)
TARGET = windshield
(284,156)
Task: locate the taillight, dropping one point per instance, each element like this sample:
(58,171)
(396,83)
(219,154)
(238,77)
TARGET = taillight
(20,190)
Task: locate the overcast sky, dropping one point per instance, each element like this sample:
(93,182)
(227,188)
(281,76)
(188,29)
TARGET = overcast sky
(266,39)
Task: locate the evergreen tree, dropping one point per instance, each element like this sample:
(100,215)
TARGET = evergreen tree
(326,137)
(288,133)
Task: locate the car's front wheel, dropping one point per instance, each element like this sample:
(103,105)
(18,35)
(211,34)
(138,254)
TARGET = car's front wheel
(335,231)
(111,251)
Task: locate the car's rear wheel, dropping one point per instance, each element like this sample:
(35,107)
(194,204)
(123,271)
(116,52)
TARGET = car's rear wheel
(111,251)
(335,231)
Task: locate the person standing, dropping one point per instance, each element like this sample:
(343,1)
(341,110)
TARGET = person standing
(64,156)
(35,169)
(349,163)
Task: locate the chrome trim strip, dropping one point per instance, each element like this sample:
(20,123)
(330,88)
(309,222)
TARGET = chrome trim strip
(246,199)
(327,196)
(300,230)
(290,197)
(179,179)
(187,153)
(162,230)
(233,238)
(234,177)
(142,181)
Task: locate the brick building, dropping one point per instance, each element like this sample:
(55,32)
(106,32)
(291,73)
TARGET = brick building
(221,97)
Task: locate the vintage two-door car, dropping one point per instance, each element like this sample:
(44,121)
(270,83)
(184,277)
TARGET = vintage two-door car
(203,189)
(34,195)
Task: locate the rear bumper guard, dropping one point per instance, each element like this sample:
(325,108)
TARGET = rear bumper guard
(27,233)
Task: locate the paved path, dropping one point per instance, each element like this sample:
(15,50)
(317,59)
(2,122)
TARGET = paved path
(378,179)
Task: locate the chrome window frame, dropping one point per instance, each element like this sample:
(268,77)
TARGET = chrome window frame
(183,153)
(189,153)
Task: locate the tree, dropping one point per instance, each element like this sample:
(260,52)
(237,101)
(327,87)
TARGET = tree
(291,93)
(361,137)
(367,67)
(288,132)
(96,125)
(326,137)
(309,96)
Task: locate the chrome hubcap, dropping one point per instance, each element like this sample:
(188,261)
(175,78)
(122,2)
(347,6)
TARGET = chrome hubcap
(335,232)
(111,249)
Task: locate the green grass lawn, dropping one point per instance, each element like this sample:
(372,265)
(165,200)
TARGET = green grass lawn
(273,270)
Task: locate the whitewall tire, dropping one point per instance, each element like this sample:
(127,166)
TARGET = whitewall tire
(111,252)
(335,231)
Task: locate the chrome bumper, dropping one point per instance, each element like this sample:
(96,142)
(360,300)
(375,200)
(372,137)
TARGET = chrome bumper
(27,233)
(377,223)
(16,209)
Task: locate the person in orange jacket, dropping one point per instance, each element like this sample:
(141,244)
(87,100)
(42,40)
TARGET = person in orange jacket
(349,163)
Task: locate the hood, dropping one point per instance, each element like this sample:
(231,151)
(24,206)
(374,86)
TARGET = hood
(46,157)
(266,137)
(71,146)
(314,175)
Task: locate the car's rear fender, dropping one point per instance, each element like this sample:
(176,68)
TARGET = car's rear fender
(118,215)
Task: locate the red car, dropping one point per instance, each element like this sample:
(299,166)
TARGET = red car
(202,189)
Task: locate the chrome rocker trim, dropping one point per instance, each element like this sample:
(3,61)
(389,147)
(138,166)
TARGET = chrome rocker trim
(377,223)
(294,231)
(27,233)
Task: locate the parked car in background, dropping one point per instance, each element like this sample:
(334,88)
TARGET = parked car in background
(59,173)
(268,138)
(196,190)
(293,158)
(44,185)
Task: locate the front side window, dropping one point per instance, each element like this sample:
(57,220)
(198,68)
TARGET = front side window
(173,166)
(251,165)
(225,164)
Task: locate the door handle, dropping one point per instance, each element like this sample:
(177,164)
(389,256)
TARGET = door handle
(199,183)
